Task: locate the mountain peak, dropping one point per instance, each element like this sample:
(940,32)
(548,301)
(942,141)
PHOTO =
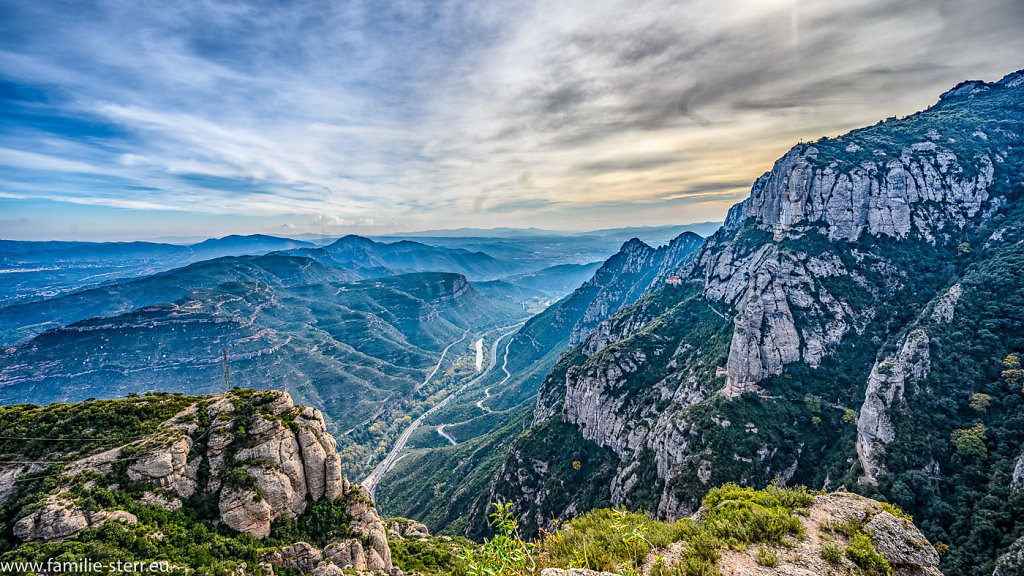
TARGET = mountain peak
(634,245)
(1013,79)
(971,87)
(353,239)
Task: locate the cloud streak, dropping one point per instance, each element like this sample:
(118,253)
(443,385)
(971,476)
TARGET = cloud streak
(347,114)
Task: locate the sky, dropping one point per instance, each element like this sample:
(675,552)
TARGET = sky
(141,119)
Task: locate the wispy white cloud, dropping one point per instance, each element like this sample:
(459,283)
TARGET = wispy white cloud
(430,114)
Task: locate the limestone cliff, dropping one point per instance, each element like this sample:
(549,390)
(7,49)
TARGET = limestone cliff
(255,456)
(804,332)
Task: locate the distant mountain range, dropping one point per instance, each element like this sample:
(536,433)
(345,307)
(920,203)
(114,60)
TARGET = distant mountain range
(285,321)
(649,234)
(37,270)
(368,258)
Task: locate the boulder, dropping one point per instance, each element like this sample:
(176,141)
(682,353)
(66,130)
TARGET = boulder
(900,542)
(58,519)
(245,511)
(346,553)
(300,556)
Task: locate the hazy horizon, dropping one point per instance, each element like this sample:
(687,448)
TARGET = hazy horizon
(205,119)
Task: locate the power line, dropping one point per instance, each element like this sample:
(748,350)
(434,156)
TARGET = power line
(63,471)
(73,439)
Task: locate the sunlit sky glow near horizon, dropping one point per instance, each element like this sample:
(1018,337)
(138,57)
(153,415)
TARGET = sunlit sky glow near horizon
(127,120)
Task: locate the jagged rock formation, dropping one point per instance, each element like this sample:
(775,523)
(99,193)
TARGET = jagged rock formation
(339,554)
(286,452)
(618,283)
(57,518)
(830,294)
(888,382)
(257,455)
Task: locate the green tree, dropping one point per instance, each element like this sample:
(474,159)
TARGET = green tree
(970,442)
(849,416)
(812,403)
(980,402)
(1013,373)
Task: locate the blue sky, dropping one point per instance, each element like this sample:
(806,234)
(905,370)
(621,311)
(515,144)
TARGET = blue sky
(133,119)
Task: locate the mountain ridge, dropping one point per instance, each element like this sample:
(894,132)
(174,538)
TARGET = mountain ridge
(780,317)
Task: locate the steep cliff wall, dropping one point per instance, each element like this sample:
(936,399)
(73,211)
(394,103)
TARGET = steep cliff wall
(803,341)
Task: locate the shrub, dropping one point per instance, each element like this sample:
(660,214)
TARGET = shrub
(896,511)
(504,555)
(831,552)
(863,554)
(767,557)
(739,516)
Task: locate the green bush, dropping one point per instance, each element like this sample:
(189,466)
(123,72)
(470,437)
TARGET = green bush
(767,556)
(863,554)
(833,553)
(742,515)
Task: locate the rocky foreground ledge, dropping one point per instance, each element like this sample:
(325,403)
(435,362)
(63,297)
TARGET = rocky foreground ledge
(249,457)
(842,533)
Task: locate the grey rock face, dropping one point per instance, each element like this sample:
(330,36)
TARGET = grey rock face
(1012,562)
(877,197)
(287,463)
(886,385)
(58,519)
(245,511)
(339,555)
(167,468)
(300,556)
(346,554)
(888,381)
(402,530)
(900,542)
(365,521)
(920,194)
(1017,481)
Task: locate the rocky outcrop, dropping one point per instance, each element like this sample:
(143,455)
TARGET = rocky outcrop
(266,459)
(402,528)
(897,540)
(58,518)
(168,468)
(886,386)
(888,381)
(365,521)
(340,554)
(1011,563)
(626,276)
(286,453)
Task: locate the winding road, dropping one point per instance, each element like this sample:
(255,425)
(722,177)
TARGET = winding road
(504,368)
(370,482)
(441,359)
(445,435)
